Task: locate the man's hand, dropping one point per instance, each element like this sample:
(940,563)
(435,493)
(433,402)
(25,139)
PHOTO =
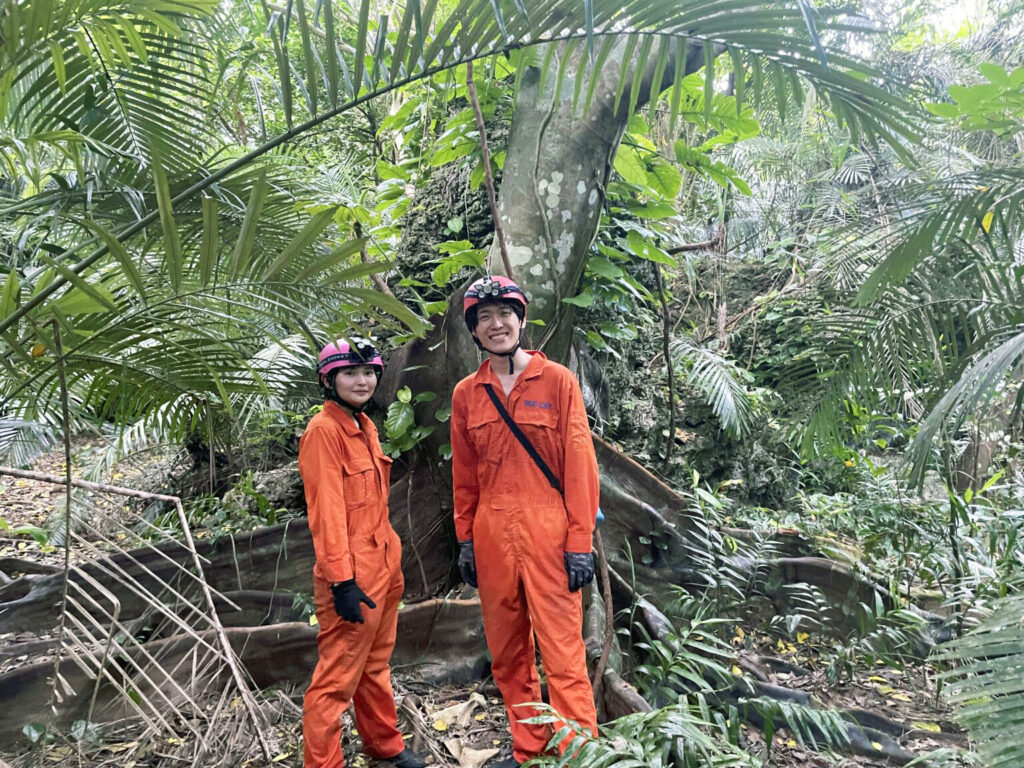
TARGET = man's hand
(580,567)
(467,562)
(347,597)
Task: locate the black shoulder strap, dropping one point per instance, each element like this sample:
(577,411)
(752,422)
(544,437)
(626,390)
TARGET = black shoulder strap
(523,439)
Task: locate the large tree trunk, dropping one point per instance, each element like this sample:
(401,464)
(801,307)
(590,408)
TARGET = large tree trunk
(557,167)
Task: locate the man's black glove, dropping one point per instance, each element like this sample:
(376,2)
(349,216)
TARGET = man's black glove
(467,562)
(347,597)
(580,567)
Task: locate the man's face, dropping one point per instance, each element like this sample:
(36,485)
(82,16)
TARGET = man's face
(497,327)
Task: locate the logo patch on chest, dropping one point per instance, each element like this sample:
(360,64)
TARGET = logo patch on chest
(538,404)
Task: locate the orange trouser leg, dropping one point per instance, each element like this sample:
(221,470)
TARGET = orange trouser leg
(558,621)
(353,656)
(524,587)
(374,700)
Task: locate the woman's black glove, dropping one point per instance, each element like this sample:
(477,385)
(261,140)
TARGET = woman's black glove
(580,567)
(347,597)
(467,562)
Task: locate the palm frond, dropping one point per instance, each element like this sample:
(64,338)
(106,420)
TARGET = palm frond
(975,387)
(720,380)
(986,682)
(429,45)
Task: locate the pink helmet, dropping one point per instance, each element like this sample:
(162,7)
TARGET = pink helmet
(342,354)
(493,288)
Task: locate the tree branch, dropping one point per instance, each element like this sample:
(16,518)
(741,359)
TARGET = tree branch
(488,177)
(668,364)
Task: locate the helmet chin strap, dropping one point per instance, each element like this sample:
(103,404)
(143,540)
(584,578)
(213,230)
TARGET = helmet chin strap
(510,354)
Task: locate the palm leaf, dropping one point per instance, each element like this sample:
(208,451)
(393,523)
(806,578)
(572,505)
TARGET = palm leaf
(986,682)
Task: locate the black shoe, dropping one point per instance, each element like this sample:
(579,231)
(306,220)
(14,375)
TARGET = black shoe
(406,759)
(508,762)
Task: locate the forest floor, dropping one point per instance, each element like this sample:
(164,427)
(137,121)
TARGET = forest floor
(465,727)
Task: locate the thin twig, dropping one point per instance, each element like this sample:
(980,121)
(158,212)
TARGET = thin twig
(666,332)
(609,618)
(412,538)
(66,419)
(492,200)
(214,618)
(382,286)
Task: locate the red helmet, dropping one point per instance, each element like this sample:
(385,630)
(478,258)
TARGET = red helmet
(342,354)
(494,288)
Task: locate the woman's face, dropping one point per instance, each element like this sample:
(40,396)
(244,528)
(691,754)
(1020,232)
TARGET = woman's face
(497,327)
(355,383)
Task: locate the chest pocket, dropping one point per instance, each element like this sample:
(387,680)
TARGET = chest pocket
(540,425)
(482,425)
(358,481)
(536,418)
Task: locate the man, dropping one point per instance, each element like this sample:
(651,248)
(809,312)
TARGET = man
(523,542)
(358,563)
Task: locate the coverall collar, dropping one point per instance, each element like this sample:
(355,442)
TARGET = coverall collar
(486,375)
(337,413)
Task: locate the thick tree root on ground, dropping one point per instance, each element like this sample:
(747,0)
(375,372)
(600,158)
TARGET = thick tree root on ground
(442,640)
(869,734)
(256,575)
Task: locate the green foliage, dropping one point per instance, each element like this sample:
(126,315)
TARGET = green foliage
(37,534)
(985,682)
(817,729)
(691,659)
(403,434)
(685,735)
(996,106)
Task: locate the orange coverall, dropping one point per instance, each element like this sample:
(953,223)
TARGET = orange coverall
(346,479)
(520,528)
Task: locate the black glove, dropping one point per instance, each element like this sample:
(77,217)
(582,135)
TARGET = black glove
(467,562)
(347,597)
(580,567)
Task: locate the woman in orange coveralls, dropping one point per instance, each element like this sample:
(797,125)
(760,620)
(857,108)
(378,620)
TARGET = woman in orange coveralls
(358,558)
(525,545)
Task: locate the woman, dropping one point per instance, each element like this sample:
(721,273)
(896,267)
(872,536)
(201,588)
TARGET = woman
(525,529)
(357,579)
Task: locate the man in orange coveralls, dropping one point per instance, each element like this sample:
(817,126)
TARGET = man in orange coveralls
(525,545)
(358,557)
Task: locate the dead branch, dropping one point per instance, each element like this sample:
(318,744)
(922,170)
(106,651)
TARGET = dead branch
(212,617)
(492,200)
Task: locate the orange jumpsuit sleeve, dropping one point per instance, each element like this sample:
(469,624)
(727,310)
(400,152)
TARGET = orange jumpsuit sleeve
(465,488)
(580,481)
(320,467)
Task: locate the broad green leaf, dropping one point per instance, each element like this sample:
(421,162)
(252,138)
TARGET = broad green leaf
(172,244)
(630,165)
(81,302)
(208,249)
(360,54)
(10,299)
(390,305)
(337,256)
(247,233)
(582,300)
(682,51)
(123,258)
(603,267)
(709,80)
(307,54)
(645,249)
(301,241)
